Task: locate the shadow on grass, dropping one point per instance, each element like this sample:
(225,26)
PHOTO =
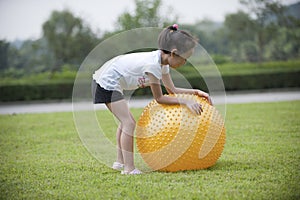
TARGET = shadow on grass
(224,165)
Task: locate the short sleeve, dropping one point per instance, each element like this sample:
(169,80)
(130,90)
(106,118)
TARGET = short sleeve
(165,69)
(156,70)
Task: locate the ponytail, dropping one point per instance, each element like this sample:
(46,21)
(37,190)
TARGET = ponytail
(173,38)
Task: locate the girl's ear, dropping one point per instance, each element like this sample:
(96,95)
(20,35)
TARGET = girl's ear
(174,51)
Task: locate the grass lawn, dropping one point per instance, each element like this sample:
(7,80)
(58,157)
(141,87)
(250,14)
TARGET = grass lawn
(42,157)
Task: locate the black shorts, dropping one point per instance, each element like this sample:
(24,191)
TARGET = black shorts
(101,95)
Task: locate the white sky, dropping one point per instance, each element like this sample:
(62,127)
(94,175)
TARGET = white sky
(23,19)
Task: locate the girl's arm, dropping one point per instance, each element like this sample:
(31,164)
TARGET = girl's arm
(160,98)
(169,85)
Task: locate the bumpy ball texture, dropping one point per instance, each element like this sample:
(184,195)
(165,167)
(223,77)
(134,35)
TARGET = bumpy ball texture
(172,138)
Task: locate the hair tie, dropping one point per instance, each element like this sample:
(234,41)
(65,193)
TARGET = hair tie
(175,27)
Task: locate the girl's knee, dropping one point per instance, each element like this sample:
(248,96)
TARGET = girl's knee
(131,123)
(128,126)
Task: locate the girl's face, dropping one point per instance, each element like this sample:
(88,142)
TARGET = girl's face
(176,61)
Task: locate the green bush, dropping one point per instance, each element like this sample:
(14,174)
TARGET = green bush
(242,82)
(235,77)
(251,81)
(220,59)
(43,91)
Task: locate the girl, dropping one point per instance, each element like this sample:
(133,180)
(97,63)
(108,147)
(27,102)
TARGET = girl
(130,71)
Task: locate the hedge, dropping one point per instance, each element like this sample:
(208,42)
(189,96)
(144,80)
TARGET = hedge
(245,82)
(41,91)
(60,90)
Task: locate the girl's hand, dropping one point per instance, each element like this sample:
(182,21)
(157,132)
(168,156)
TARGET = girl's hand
(204,94)
(194,107)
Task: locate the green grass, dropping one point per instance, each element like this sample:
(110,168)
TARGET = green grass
(42,157)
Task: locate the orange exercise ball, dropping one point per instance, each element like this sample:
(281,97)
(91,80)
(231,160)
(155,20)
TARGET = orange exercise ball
(171,138)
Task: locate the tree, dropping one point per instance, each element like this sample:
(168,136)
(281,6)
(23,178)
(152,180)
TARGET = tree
(210,35)
(4,47)
(68,37)
(240,31)
(32,56)
(264,31)
(146,15)
(269,17)
(240,26)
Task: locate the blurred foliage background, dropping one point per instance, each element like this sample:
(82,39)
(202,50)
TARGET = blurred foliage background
(265,31)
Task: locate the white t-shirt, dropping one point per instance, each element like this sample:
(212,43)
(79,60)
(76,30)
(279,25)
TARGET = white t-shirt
(129,71)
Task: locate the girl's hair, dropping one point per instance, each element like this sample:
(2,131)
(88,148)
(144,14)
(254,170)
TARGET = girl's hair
(173,38)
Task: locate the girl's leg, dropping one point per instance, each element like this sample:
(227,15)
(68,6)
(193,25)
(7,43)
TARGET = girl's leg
(119,149)
(121,111)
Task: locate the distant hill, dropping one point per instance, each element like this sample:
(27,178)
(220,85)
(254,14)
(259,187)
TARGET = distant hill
(293,10)
(289,11)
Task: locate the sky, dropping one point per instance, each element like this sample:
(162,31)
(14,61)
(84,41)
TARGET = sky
(23,19)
